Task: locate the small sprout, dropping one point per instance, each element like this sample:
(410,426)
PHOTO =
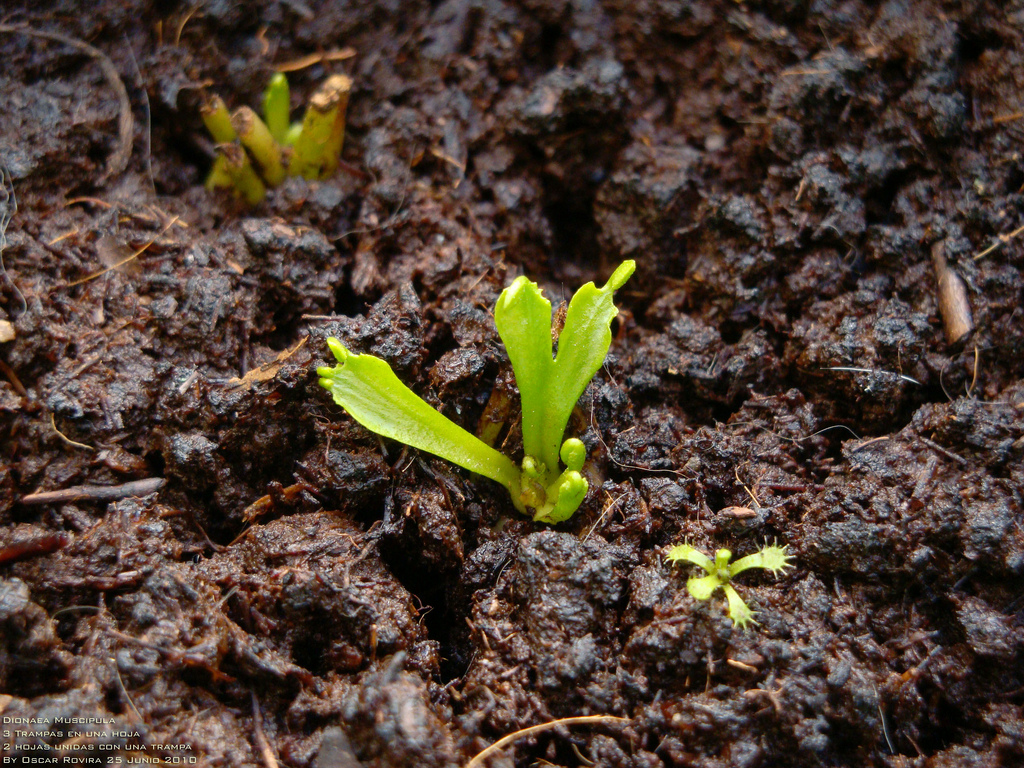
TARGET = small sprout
(318,146)
(277,107)
(217,120)
(720,573)
(311,148)
(256,137)
(550,385)
(239,170)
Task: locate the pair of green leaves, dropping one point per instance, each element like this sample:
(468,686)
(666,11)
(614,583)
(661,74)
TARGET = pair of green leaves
(549,386)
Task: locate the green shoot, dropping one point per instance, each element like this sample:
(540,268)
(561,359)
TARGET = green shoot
(720,573)
(549,385)
(318,147)
(239,170)
(311,148)
(217,120)
(258,140)
(277,107)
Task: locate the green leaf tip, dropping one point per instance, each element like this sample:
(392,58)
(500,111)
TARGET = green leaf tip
(720,572)
(569,492)
(338,350)
(621,274)
(277,106)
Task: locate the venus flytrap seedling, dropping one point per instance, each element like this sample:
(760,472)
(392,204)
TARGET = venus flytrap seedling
(310,148)
(549,385)
(720,572)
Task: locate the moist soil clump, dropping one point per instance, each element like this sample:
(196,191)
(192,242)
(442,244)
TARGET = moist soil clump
(202,556)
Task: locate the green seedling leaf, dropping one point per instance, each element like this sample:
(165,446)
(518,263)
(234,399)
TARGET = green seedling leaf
(310,148)
(563,499)
(720,572)
(773,558)
(573,454)
(702,587)
(686,553)
(244,179)
(523,318)
(550,386)
(738,610)
(367,388)
(217,120)
(582,347)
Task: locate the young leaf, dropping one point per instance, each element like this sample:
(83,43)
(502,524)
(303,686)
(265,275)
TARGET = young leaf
(690,555)
(523,318)
(738,610)
(702,587)
(551,385)
(773,558)
(582,347)
(568,493)
(368,389)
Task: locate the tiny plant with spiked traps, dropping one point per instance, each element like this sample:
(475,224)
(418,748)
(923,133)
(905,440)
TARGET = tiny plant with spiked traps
(720,572)
(549,386)
(254,153)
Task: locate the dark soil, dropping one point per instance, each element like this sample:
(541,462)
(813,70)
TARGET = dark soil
(793,180)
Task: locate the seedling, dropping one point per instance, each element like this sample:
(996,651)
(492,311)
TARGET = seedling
(310,148)
(549,386)
(720,573)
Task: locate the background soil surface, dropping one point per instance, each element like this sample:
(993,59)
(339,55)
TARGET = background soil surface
(238,568)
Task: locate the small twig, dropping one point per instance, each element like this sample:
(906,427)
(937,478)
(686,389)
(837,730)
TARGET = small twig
(127,697)
(184,20)
(315,58)
(90,200)
(1001,240)
(118,160)
(604,514)
(866,443)
(96,492)
(945,452)
(974,378)
(66,439)
(804,72)
(1007,118)
(261,740)
(33,546)
(885,725)
(501,743)
(12,377)
(750,493)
